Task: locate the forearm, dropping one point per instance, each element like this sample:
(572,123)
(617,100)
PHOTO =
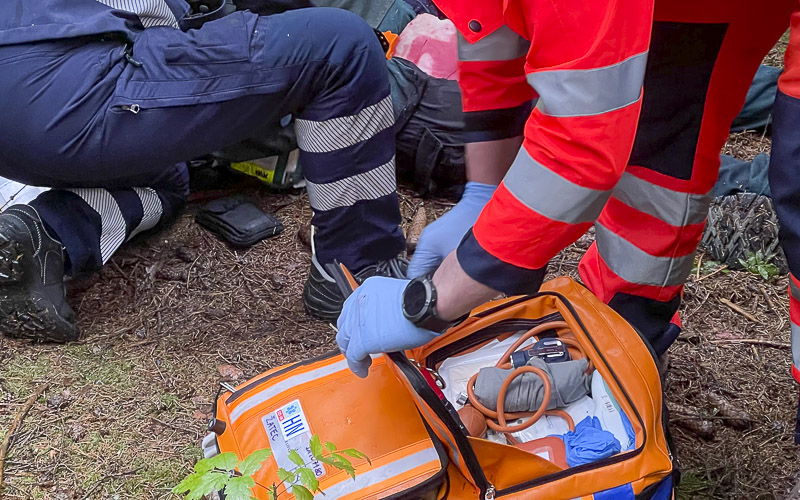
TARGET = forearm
(457,293)
(488,162)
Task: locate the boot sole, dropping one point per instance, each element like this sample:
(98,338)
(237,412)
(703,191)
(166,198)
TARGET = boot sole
(24,313)
(319,304)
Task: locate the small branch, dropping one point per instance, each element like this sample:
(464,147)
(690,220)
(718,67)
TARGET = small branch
(15,424)
(733,307)
(766,343)
(717,270)
(106,478)
(767,298)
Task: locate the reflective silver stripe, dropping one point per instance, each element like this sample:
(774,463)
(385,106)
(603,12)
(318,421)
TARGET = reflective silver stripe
(377,475)
(500,45)
(672,207)
(151,210)
(339,133)
(795,345)
(112,224)
(370,185)
(150,12)
(270,392)
(794,289)
(547,193)
(634,265)
(589,91)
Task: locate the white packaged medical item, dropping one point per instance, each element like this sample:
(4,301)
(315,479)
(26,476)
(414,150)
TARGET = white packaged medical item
(607,411)
(547,425)
(580,409)
(457,370)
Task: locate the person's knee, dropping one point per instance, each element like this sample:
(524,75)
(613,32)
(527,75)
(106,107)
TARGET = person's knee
(347,37)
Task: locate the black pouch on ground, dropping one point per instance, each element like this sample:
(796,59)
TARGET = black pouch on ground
(238,222)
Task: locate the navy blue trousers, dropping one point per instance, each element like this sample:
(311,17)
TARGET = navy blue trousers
(109,126)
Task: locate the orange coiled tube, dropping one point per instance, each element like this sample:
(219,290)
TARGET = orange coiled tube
(500,415)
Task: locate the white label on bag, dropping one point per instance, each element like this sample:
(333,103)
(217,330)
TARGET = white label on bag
(287,429)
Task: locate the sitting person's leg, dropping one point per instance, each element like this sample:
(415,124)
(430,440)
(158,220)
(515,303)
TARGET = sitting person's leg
(71,231)
(94,116)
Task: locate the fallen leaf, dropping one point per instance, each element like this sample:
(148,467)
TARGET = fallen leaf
(199,415)
(229,372)
(76,431)
(727,335)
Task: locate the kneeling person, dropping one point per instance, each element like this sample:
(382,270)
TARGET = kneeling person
(105,99)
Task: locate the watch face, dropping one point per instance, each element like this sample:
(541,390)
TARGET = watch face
(415,298)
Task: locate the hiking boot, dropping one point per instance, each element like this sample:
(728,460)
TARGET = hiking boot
(32,294)
(740,226)
(321,295)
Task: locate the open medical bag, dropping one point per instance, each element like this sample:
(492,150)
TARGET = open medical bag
(420,448)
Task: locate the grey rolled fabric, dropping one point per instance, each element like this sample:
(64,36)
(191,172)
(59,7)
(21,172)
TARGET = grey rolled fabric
(568,380)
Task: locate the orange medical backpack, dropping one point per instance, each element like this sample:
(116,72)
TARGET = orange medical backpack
(416,443)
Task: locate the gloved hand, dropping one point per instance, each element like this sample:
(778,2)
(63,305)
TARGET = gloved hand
(443,235)
(372,322)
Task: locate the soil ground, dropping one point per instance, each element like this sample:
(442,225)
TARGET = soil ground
(173,315)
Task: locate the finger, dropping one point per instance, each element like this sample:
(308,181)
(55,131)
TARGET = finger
(360,367)
(422,263)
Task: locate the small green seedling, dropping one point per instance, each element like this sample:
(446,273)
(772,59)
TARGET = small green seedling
(760,264)
(226,473)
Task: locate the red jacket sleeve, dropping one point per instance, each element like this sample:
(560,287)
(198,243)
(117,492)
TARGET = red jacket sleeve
(586,64)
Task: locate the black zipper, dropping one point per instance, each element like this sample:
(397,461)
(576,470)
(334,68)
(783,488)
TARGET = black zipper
(422,388)
(465,449)
(484,334)
(599,463)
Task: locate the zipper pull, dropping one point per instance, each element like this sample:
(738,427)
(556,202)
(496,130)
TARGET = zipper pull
(489,493)
(133,108)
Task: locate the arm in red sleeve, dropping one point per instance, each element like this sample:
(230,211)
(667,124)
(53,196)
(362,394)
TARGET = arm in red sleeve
(586,62)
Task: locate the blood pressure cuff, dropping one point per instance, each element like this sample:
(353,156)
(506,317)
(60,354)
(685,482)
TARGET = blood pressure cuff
(568,381)
(239,223)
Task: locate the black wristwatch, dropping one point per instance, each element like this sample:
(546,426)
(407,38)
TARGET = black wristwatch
(419,305)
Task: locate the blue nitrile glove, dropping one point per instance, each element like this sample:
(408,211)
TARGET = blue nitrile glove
(372,322)
(444,234)
(589,442)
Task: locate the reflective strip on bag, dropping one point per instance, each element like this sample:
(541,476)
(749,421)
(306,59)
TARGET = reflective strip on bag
(379,474)
(636,266)
(284,385)
(547,193)
(588,92)
(673,207)
(500,45)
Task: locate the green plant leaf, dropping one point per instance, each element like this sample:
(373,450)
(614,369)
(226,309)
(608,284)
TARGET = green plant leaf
(189,483)
(203,465)
(328,460)
(330,446)
(238,488)
(352,452)
(286,476)
(340,458)
(308,478)
(254,461)
(296,458)
(224,461)
(316,446)
(301,493)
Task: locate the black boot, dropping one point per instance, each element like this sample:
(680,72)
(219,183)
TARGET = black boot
(321,295)
(32,294)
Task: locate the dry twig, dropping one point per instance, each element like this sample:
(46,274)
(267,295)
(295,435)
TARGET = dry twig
(733,307)
(15,424)
(767,343)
